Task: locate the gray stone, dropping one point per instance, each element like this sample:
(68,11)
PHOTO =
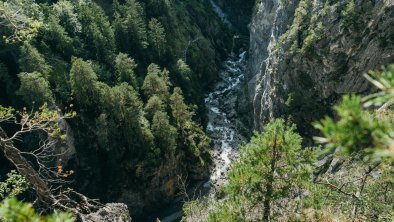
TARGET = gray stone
(335,67)
(111,212)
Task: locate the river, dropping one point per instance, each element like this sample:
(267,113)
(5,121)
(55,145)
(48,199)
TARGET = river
(221,127)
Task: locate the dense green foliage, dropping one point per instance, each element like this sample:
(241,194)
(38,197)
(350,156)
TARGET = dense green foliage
(14,184)
(195,140)
(11,210)
(20,20)
(117,64)
(357,130)
(124,70)
(34,88)
(360,130)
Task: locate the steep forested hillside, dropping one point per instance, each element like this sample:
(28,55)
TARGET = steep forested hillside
(132,71)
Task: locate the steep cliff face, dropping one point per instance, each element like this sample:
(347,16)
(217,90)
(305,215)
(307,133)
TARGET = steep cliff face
(268,23)
(305,54)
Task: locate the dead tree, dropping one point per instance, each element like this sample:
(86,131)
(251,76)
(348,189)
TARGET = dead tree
(44,177)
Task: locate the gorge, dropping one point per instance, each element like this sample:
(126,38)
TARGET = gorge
(276,75)
(165,92)
(222,128)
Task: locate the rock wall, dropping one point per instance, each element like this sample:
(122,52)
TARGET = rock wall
(305,54)
(110,212)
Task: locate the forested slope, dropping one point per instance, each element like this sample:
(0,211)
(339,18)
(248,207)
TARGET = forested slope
(118,64)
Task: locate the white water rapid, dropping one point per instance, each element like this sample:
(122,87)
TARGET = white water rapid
(221,115)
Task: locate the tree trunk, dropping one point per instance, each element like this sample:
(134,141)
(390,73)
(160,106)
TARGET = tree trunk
(361,188)
(267,201)
(25,169)
(270,181)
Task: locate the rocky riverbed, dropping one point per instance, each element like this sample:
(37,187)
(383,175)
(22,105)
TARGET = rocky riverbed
(221,127)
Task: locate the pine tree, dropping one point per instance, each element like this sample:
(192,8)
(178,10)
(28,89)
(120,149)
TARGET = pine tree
(184,75)
(57,38)
(135,133)
(157,36)
(165,134)
(180,111)
(124,70)
(83,83)
(14,185)
(361,137)
(184,70)
(31,60)
(156,83)
(66,13)
(130,27)
(272,167)
(153,105)
(359,130)
(125,100)
(97,32)
(35,89)
(196,142)
(13,210)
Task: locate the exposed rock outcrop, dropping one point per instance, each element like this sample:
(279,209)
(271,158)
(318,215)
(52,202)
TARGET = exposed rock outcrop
(305,54)
(111,212)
